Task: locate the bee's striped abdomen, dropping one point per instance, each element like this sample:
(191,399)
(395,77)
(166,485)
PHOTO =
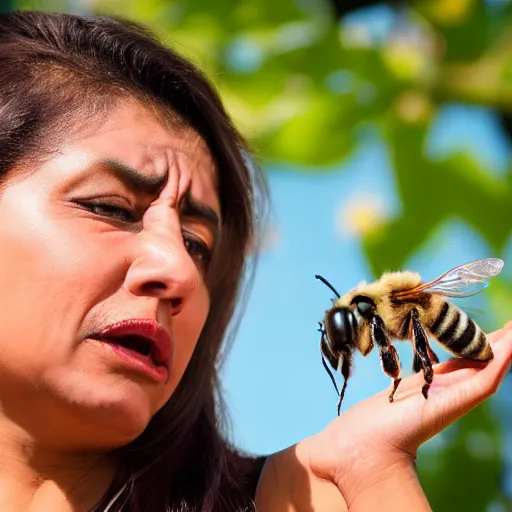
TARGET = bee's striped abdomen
(460,334)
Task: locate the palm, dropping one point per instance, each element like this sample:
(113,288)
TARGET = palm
(375,426)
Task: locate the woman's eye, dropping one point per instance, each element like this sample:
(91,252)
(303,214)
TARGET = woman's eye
(110,210)
(198,250)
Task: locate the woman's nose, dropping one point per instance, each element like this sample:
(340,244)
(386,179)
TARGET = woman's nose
(163,269)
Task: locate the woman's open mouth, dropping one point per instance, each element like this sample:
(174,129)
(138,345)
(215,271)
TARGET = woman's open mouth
(141,344)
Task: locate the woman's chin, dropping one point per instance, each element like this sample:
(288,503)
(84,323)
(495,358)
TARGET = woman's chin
(117,419)
(99,417)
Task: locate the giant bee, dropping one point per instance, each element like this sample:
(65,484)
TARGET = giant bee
(400,306)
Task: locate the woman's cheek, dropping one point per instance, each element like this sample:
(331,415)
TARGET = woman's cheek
(187,326)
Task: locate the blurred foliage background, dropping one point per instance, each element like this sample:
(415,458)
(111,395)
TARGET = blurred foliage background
(306,81)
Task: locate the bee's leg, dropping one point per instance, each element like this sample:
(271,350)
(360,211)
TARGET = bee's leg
(325,352)
(388,353)
(343,364)
(432,354)
(421,348)
(345,371)
(416,363)
(330,375)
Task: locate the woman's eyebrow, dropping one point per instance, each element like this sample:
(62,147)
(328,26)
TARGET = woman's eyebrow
(190,207)
(134,179)
(151,185)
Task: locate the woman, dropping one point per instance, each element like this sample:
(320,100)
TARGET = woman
(127,214)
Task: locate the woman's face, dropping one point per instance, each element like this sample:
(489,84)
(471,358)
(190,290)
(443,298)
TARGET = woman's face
(115,227)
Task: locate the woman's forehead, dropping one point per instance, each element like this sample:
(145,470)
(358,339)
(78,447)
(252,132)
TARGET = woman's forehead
(135,138)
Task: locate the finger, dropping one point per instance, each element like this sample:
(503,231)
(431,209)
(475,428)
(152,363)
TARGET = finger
(494,373)
(454,394)
(453,365)
(453,369)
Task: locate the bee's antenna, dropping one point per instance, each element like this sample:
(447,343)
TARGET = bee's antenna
(328,285)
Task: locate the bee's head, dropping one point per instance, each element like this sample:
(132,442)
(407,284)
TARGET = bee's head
(341,328)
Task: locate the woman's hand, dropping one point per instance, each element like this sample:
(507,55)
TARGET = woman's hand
(375,435)
(365,459)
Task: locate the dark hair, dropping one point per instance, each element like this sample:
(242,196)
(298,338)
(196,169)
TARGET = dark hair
(57,67)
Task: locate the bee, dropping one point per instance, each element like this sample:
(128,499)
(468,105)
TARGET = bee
(400,306)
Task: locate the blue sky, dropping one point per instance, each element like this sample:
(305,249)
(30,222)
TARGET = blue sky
(277,389)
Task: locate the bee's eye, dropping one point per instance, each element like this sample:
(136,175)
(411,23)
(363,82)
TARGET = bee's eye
(364,305)
(340,326)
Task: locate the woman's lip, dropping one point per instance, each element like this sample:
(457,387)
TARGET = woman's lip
(157,336)
(135,360)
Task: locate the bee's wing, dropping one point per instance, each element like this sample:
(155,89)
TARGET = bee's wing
(462,281)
